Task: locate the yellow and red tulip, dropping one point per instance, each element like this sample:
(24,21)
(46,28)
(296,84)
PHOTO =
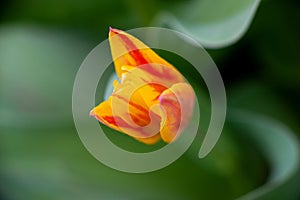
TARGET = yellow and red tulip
(152,101)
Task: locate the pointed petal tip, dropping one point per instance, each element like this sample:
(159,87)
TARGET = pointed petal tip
(92,113)
(113,31)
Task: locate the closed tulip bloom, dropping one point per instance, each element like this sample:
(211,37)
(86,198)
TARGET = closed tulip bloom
(152,101)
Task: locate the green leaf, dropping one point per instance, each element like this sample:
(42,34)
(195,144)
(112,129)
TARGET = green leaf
(275,43)
(53,164)
(257,97)
(281,149)
(38,67)
(214,23)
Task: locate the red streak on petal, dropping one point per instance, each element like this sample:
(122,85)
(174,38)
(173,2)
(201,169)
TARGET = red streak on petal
(110,120)
(119,122)
(164,73)
(157,87)
(137,106)
(113,31)
(134,52)
(140,119)
(116,121)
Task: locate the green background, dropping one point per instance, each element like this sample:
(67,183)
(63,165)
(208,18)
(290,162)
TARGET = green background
(42,44)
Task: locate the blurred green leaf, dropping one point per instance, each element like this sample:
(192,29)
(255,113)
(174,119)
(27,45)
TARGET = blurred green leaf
(258,97)
(38,67)
(87,15)
(214,23)
(53,164)
(276,42)
(281,150)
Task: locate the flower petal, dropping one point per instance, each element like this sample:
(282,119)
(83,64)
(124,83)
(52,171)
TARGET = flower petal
(150,140)
(127,50)
(104,113)
(150,81)
(177,103)
(126,111)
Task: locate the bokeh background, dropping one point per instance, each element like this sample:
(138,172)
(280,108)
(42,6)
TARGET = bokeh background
(42,44)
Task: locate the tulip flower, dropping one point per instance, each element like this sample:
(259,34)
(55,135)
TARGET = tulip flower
(152,101)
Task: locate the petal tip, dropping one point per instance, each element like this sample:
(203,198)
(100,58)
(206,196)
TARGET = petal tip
(113,31)
(92,113)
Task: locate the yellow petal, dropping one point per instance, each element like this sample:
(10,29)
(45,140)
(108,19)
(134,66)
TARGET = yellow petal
(127,50)
(150,81)
(103,113)
(129,114)
(150,140)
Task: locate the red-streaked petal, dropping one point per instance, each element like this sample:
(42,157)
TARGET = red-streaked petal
(150,81)
(177,103)
(126,111)
(105,114)
(127,50)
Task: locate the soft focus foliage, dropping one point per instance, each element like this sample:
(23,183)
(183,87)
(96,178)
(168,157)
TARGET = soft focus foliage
(212,22)
(42,44)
